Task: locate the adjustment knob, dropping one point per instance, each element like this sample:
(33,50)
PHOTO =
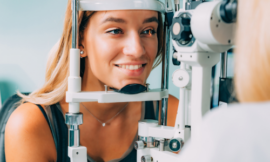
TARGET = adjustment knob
(176,28)
(228,11)
(139,145)
(181,78)
(186,34)
(181,30)
(74,119)
(175,144)
(146,158)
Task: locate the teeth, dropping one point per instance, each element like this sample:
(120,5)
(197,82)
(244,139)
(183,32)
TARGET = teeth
(130,67)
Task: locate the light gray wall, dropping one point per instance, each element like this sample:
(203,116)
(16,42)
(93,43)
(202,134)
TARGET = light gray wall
(28,30)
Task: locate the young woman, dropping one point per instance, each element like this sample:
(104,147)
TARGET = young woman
(118,48)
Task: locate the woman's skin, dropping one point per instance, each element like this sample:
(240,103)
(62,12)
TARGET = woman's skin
(111,41)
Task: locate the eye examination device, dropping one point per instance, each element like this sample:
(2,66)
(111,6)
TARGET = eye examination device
(199,32)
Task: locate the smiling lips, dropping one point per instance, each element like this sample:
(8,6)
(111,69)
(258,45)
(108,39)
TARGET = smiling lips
(132,70)
(131,67)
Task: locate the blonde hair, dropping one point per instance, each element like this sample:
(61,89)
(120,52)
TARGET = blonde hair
(252,65)
(57,69)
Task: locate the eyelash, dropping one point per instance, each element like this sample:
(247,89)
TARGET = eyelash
(152,32)
(111,31)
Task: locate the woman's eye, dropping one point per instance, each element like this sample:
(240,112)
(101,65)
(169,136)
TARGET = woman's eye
(115,31)
(149,32)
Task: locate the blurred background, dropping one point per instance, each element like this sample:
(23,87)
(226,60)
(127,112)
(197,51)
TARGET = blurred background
(28,31)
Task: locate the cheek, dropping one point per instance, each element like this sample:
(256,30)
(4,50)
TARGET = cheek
(152,49)
(101,52)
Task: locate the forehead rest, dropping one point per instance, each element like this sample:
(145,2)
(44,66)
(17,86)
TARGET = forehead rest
(105,5)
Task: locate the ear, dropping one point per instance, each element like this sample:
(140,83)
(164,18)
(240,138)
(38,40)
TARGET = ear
(82,45)
(82,51)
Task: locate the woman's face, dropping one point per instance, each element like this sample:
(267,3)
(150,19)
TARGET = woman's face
(121,46)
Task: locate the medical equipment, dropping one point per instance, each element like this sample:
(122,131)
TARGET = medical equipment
(0,100)
(198,36)
(226,89)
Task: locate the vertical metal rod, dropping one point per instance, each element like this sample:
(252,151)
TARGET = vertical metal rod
(106,88)
(223,65)
(74,136)
(188,103)
(74,132)
(184,2)
(147,86)
(181,106)
(157,116)
(75,15)
(176,5)
(187,107)
(165,72)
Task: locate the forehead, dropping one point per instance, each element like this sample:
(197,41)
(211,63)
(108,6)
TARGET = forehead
(124,16)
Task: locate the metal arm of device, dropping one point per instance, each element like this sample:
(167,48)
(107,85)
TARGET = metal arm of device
(199,36)
(212,36)
(74,118)
(166,60)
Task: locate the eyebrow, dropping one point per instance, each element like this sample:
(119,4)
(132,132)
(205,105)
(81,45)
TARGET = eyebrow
(113,19)
(119,20)
(151,19)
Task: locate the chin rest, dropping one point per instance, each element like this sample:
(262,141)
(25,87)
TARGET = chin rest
(131,89)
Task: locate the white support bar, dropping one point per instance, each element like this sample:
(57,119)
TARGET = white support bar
(112,97)
(200,98)
(180,117)
(74,62)
(77,154)
(201,79)
(161,132)
(74,79)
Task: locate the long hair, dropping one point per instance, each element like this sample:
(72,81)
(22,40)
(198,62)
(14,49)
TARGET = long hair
(57,69)
(252,65)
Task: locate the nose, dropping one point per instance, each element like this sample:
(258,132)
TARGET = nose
(134,46)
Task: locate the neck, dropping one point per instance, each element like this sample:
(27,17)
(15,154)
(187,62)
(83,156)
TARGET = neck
(104,111)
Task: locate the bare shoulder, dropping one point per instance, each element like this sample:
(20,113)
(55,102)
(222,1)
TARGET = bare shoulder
(28,136)
(172,110)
